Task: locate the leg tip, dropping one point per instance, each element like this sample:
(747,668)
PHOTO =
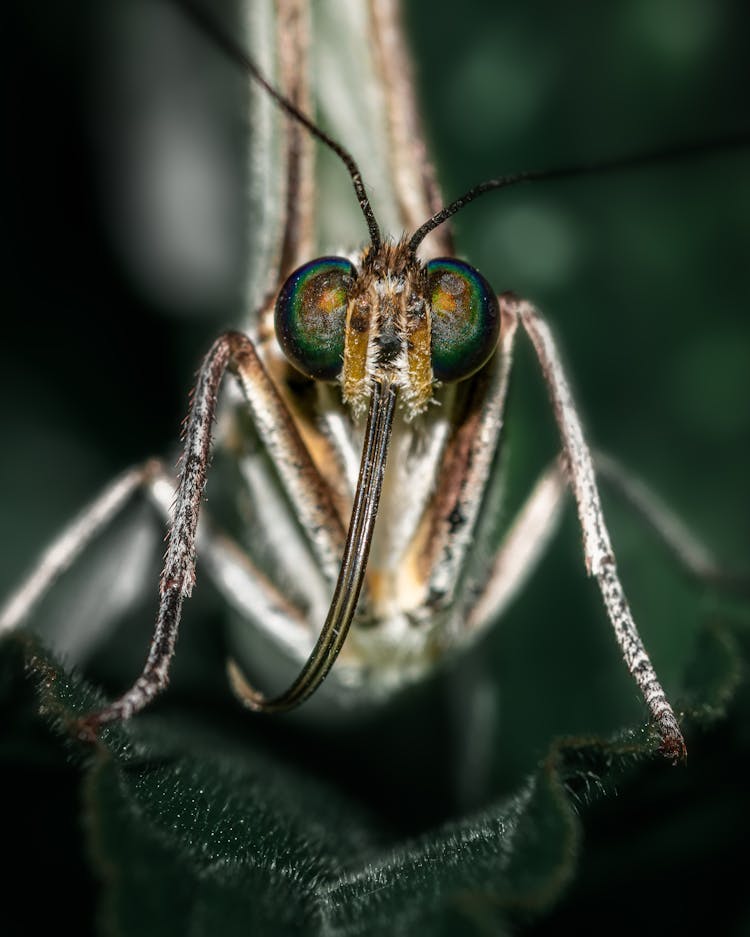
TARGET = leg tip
(673,746)
(86,729)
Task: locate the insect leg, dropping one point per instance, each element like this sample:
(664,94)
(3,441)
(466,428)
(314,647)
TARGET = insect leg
(447,528)
(303,483)
(520,551)
(65,549)
(537,520)
(599,556)
(691,554)
(244,587)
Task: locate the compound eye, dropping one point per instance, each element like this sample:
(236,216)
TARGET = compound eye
(311,316)
(465,319)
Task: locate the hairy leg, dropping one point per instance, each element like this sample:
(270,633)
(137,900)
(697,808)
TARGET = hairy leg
(598,553)
(305,487)
(686,548)
(67,547)
(520,551)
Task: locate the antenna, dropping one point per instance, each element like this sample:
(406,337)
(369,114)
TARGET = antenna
(236,52)
(675,152)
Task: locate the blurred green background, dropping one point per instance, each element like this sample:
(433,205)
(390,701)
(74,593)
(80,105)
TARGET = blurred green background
(643,276)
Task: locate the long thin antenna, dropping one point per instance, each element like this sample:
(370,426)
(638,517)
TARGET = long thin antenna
(624,162)
(236,52)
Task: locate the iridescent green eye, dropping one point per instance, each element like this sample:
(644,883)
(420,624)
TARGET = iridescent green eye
(465,319)
(311,316)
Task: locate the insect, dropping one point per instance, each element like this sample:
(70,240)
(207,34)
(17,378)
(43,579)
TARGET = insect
(419,428)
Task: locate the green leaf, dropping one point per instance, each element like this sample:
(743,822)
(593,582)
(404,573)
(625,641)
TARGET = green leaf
(197,823)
